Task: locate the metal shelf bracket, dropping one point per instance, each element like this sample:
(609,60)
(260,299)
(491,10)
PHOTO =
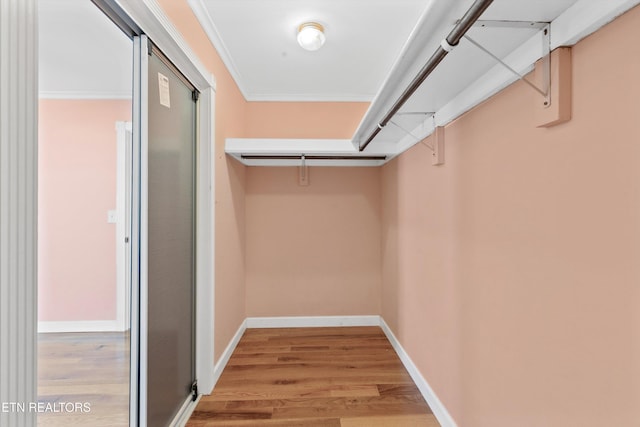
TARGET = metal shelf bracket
(303,172)
(545,28)
(437,148)
(408,132)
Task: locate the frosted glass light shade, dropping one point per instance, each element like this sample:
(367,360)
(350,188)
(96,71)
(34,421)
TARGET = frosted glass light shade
(311,36)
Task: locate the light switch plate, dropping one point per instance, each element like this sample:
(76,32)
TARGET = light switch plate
(112,217)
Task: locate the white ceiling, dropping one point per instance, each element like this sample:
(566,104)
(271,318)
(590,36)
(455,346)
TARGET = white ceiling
(257,41)
(82,54)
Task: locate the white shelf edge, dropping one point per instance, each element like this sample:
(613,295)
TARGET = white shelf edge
(239,147)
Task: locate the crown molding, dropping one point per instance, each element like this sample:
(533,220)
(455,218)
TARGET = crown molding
(204,17)
(150,16)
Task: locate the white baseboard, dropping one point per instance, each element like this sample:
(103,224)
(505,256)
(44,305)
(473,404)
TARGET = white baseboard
(226,354)
(444,418)
(79,326)
(312,321)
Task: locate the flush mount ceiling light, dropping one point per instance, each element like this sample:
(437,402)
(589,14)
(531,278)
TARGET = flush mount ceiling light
(311,36)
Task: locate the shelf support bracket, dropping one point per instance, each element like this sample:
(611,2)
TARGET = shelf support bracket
(303,172)
(546,46)
(437,157)
(560,110)
(437,148)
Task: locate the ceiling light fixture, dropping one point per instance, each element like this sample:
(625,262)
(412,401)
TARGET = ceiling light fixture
(311,36)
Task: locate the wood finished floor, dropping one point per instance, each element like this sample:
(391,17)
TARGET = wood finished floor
(84,367)
(348,377)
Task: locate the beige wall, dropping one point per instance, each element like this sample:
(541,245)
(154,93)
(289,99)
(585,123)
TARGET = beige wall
(313,250)
(304,119)
(230,114)
(511,273)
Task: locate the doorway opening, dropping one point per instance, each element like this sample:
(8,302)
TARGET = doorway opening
(85,114)
(158,93)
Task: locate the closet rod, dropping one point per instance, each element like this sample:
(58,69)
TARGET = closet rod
(447,45)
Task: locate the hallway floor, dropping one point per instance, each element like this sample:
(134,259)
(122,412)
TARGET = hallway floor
(348,376)
(83,368)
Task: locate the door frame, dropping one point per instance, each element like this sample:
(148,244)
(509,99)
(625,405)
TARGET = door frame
(124,150)
(152,21)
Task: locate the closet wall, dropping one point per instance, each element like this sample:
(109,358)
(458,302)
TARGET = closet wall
(510,274)
(311,250)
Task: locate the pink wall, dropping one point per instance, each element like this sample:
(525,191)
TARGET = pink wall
(511,273)
(313,250)
(304,119)
(77,186)
(229,180)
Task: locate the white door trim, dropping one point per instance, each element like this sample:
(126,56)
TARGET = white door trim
(18,208)
(148,15)
(205,248)
(123,225)
(139,232)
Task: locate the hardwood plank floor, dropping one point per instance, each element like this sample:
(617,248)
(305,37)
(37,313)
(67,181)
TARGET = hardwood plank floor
(84,367)
(341,377)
